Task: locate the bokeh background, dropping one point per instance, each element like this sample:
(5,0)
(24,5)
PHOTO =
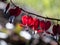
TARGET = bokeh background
(49,8)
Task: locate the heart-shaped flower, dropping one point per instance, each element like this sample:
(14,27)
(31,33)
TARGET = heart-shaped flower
(15,12)
(58,30)
(55,29)
(25,19)
(35,24)
(30,20)
(45,25)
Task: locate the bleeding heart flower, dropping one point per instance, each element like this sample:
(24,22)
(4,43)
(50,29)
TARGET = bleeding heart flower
(18,11)
(35,24)
(45,25)
(15,12)
(42,25)
(24,19)
(55,29)
(30,19)
(58,30)
(11,11)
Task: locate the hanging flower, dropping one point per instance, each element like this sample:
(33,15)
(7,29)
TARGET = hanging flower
(15,12)
(45,25)
(42,24)
(58,30)
(24,19)
(35,24)
(55,29)
(30,19)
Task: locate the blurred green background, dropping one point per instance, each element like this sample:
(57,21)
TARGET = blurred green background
(47,8)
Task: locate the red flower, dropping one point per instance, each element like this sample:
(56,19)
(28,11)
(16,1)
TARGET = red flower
(12,12)
(42,25)
(59,30)
(15,12)
(35,24)
(24,19)
(30,19)
(45,25)
(56,29)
